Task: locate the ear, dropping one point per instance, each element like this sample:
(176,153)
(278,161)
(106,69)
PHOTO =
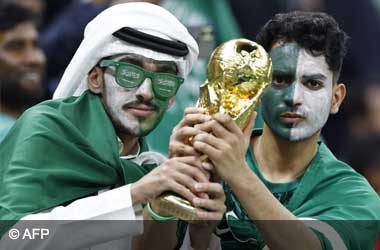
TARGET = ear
(171,101)
(339,92)
(95,80)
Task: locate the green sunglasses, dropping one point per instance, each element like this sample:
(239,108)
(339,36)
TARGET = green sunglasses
(128,75)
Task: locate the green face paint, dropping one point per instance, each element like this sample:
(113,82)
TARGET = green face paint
(151,122)
(284,59)
(297,105)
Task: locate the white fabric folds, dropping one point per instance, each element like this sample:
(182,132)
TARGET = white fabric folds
(99,42)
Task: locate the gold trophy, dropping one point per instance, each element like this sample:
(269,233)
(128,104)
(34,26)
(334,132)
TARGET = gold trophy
(238,73)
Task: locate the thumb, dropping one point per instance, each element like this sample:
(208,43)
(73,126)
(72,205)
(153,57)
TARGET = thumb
(251,123)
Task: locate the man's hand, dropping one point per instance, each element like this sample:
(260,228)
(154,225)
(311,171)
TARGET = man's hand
(179,175)
(179,144)
(225,144)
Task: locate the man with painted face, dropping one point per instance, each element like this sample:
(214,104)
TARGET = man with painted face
(284,188)
(83,157)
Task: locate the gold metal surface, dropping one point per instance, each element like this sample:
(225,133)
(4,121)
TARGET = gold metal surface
(178,207)
(238,73)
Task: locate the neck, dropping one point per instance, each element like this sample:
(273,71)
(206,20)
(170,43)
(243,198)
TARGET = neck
(130,144)
(10,111)
(281,160)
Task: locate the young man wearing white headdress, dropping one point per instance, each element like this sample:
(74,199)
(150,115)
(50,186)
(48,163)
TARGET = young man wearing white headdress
(82,156)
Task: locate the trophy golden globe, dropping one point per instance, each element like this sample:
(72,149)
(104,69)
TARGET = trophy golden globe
(238,73)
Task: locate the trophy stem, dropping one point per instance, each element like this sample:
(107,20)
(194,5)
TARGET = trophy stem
(181,208)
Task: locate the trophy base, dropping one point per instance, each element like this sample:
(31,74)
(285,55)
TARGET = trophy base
(178,207)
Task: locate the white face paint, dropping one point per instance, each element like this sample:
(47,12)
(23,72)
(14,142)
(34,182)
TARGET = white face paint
(133,111)
(115,98)
(314,103)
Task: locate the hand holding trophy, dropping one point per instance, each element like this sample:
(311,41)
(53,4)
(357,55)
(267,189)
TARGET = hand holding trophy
(238,73)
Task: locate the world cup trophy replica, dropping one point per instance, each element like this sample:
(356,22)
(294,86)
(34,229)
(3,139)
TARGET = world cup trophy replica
(238,73)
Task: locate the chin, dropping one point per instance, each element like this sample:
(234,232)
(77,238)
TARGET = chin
(297,136)
(297,139)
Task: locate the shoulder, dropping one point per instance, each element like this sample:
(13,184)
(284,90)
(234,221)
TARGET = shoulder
(339,185)
(332,167)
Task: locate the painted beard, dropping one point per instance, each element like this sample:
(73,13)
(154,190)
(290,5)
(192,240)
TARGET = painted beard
(128,114)
(294,111)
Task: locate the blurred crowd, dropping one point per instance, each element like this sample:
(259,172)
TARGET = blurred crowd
(36,47)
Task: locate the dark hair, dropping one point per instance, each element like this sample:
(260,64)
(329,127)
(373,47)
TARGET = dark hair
(317,32)
(12,14)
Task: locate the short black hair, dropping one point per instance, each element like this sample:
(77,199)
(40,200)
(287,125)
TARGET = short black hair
(316,32)
(12,14)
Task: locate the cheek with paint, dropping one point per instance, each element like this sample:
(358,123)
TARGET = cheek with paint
(273,105)
(153,120)
(315,109)
(116,98)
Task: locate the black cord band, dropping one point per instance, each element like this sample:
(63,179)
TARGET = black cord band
(175,48)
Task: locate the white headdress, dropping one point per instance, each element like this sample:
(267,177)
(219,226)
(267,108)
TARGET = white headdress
(99,42)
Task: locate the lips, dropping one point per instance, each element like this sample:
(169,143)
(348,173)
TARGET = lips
(292,118)
(140,110)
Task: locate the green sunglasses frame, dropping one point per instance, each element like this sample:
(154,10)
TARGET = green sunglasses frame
(160,91)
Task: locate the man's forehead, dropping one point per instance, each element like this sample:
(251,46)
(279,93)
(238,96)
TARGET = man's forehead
(289,56)
(284,56)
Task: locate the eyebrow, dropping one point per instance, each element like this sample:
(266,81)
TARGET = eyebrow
(168,68)
(133,60)
(315,76)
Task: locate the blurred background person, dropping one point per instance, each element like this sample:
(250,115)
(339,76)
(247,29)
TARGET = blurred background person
(22,64)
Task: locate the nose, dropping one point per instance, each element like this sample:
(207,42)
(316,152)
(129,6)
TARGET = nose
(144,91)
(293,95)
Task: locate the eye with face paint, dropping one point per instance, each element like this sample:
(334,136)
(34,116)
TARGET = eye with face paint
(135,111)
(297,104)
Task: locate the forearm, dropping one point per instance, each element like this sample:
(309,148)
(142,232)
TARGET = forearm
(278,226)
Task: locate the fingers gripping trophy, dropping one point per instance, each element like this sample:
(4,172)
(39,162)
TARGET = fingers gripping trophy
(238,73)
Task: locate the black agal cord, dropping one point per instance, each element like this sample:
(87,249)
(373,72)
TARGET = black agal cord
(175,48)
